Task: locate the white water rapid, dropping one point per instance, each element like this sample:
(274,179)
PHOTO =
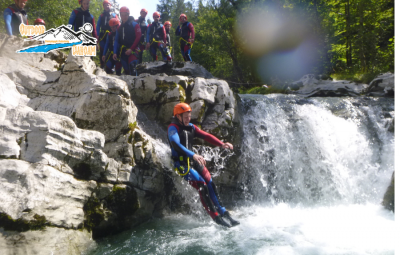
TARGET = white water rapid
(312,173)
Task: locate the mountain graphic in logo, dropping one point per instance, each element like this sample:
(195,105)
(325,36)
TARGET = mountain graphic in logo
(61,37)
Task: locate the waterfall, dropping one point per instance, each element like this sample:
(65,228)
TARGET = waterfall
(311,173)
(316,150)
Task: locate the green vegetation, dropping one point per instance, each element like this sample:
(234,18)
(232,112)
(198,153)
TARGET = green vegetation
(353,39)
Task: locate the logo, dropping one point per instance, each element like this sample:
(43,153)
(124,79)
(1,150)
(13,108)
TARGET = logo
(60,38)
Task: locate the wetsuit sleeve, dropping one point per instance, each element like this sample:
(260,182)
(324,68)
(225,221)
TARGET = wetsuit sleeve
(138,34)
(173,137)
(94,30)
(7,15)
(191,29)
(116,44)
(98,25)
(178,31)
(164,35)
(71,20)
(148,33)
(106,45)
(207,137)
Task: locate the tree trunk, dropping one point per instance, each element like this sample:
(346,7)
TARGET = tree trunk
(349,60)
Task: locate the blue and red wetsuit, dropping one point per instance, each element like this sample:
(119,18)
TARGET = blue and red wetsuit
(156,31)
(181,139)
(128,37)
(185,32)
(108,52)
(13,17)
(102,30)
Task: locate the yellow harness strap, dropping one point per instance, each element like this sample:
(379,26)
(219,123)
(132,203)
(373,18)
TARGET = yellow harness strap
(181,167)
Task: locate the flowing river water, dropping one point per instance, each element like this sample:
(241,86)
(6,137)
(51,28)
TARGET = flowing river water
(312,173)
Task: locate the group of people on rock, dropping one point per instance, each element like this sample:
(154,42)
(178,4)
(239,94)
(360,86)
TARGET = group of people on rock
(121,45)
(121,40)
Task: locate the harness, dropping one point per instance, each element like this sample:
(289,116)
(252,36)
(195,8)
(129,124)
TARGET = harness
(104,26)
(186,135)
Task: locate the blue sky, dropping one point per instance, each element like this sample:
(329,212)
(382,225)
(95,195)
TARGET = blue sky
(136,5)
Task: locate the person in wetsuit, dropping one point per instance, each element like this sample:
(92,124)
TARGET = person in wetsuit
(192,166)
(109,49)
(168,45)
(156,38)
(126,44)
(186,37)
(103,28)
(14,15)
(143,27)
(81,16)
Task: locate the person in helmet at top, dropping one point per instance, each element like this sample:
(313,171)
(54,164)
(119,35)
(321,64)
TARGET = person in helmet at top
(126,45)
(103,27)
(14,15)
(156,37)
(81,16)
(39,21)
(192,167)
(168,45)
(143,27)
(109,49)
(185,31)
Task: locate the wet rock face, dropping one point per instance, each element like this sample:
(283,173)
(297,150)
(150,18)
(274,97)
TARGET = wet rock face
(72,158)
(388,198)
(382,86)
(212,101)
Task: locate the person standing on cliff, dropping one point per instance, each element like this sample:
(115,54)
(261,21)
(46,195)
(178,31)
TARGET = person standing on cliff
(103,28)
(143,27)
(126,44)
(80,16)
(156,38)
(14,15)
(185,31)
(192,166)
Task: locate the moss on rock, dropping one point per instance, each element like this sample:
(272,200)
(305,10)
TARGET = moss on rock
(9,224)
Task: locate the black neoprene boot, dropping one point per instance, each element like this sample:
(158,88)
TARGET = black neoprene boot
(221,221)
(233,222)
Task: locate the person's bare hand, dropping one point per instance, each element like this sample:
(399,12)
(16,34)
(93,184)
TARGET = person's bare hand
(199,159)
(227,146)
(115,57)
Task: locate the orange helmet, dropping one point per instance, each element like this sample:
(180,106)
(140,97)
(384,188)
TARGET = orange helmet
(182,15)
(156,14)
(181,108)
(114,22)
(39,22)
(124,9)
(144,10)
(167,23)
(106,2)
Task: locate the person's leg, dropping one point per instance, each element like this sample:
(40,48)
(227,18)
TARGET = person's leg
(132,64)
(186,53)
(118,67)
(102,44)
(162,50)
(153,51)
(214,194)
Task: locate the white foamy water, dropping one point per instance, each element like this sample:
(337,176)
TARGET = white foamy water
(279,229)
